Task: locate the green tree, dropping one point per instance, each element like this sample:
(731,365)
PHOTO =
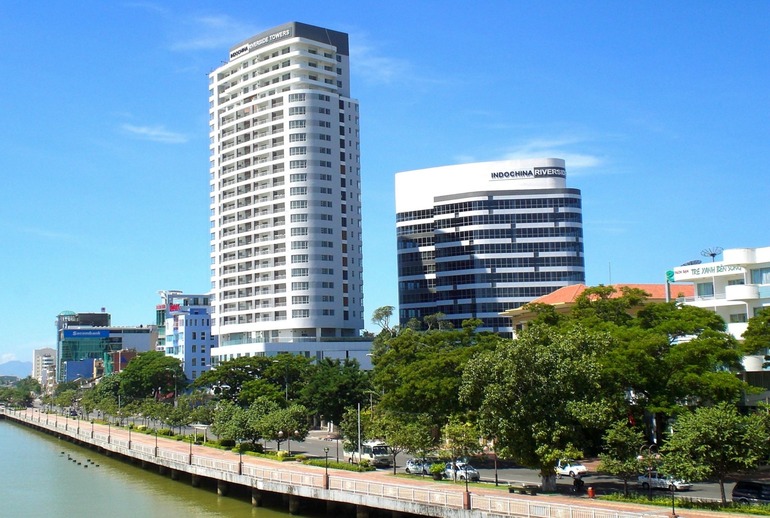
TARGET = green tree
(756,338)
(461,439)
(149,373)
(229,422)
(540,395)
(622,447)
(381,318)
(332,385)
(420,372)
(286,424)
(715,442)
(228,379)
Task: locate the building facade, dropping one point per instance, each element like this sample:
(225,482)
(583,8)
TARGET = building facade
(43,365)
(82,338)
(285,187)
(735,288)
(475,240)
(187,330)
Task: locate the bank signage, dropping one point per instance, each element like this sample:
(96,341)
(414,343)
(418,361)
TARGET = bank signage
(535,172)
(86,333)
(270,38)
(706,270)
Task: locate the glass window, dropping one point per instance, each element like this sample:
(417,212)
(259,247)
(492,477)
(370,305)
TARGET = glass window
(705,289)
(760,276)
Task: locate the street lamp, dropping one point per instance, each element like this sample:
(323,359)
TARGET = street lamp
(156,441)
(92,428)
(649,457)
(278,442)
(240,459)
(129,436)
(326,467)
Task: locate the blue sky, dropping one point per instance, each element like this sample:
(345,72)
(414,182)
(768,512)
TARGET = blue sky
(659,108)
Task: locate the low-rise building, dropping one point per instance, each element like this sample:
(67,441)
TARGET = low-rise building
(736,288)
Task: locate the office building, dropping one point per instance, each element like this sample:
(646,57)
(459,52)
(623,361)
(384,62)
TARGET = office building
(478,239)
(187,330)
(83,338)
(285,187)
(735,288)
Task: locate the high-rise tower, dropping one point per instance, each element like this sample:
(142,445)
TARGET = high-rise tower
(475,240)
(286,270)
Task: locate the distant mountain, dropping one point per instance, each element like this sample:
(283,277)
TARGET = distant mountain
(16,368)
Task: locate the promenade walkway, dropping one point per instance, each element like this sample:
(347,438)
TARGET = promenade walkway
(366,491)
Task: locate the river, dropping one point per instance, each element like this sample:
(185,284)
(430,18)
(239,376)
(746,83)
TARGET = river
(41,476)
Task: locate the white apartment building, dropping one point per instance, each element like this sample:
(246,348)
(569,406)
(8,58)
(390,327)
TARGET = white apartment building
(285,182)
(475,240)
(735,288)
(43,362)
(187,331)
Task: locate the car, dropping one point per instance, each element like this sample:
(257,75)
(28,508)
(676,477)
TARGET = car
(749,492)
(418,466)
(655,480)
(571,468)
(461,471)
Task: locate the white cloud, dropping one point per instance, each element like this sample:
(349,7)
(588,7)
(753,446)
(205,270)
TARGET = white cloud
(560,147)
(155,134)
(7,357)
(372,66)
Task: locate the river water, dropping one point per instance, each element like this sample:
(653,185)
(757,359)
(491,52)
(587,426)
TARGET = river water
(41,476)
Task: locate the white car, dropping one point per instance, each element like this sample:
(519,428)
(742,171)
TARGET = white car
(570,468)
(657,481)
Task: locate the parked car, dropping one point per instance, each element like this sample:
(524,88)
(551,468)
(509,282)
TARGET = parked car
(419,466)
(461,471)
(657,481)
(570,468)
(748,492)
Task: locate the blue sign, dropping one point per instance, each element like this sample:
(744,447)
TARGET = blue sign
(86,333)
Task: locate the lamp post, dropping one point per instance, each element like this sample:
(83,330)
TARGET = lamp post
(108,431)
(156,441)
(649,458)
(92,428)
(191,450)
(278,442)
(129,436)
(240,459)
(326,467)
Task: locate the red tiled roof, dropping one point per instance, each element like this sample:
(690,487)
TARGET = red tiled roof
(569,294)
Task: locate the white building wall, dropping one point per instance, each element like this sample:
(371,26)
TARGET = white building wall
(285,219)
(735,288)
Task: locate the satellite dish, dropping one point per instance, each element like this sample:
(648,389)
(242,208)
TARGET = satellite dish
(694,261)
(712,252)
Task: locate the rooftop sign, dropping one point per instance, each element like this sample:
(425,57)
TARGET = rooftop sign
(535,172)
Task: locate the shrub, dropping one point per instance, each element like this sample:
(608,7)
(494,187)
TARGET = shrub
(227,443)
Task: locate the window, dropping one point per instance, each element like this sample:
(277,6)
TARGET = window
(194,348)
(299,245)
(300,299)
(299,231)
(298,137)
(298,191)
(194,362)
(298,204)
(300,286)
(294,97)
(760,276)
(299,258)
(297,164)
(298,177)
(203,335)
(299,272)
(297,110)
(296,124)
(298,150)
(298,218)
(194,335)
(705,289)
(737,318)
(300,313)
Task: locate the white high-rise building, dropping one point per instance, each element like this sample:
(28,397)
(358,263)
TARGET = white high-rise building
(187,331)
(286,270)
